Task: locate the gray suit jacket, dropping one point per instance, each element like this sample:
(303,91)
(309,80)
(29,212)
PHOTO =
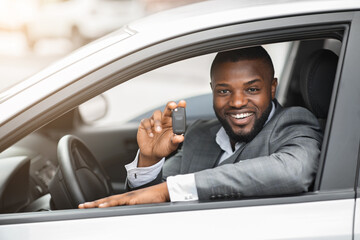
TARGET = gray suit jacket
(281,159)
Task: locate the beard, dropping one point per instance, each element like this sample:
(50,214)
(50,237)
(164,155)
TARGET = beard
(247,137)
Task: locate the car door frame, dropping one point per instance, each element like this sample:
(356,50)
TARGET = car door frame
(356,120)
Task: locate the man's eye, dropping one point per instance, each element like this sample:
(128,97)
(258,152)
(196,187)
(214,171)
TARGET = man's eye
(253,90)
(223,91)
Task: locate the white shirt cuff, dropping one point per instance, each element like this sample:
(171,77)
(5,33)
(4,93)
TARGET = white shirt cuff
(182,188)
(138,176)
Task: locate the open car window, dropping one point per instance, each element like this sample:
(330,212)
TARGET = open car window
(139,97)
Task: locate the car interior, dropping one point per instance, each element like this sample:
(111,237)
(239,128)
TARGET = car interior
(93,156)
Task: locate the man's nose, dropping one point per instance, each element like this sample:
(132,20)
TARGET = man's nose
(238,100)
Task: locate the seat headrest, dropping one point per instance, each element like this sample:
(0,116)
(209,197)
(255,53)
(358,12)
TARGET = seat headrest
(317,79)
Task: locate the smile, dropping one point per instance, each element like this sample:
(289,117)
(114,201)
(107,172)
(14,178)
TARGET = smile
(241,115)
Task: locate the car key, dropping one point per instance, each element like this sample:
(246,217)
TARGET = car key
(179,120)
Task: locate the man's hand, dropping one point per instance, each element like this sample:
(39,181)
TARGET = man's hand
(154,194)
(155,136)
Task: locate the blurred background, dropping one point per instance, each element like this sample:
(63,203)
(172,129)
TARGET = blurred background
(35,33)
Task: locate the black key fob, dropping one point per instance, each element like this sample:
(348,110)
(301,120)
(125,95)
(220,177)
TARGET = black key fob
(179,120)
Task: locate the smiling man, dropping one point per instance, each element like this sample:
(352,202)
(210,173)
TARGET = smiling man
(242,92)
(255,147)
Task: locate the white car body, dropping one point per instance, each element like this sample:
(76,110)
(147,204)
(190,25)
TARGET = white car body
(329,212)
(86,19)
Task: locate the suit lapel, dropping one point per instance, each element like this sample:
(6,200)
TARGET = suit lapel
(263,134)
(207,153)
(235,157)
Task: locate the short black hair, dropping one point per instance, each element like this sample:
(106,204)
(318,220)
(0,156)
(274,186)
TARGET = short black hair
(251,53)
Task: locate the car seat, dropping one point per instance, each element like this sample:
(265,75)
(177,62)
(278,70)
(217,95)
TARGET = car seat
(316,82)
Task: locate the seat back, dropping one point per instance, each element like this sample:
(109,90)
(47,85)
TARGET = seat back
(316,82)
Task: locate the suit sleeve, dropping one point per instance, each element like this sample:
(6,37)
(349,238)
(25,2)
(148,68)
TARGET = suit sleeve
(290,166)
(171,167)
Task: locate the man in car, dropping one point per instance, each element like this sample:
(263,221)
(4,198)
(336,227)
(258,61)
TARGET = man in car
(255,147)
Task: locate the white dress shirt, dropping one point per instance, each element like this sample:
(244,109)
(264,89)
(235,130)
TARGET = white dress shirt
(181,187)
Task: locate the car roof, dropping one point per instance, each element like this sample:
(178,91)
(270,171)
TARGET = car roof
(217,13)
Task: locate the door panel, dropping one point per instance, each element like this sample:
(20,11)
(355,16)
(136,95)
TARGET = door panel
(320,220)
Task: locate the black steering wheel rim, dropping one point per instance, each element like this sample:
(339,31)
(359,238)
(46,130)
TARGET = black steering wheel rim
(84,178)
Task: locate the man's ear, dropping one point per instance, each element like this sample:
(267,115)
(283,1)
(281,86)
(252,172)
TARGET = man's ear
(211,85)
(274,83)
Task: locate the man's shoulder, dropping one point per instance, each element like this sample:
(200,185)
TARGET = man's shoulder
(295,121)
(294,113)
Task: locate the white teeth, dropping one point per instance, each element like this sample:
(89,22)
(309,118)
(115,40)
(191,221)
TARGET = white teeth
(241,115)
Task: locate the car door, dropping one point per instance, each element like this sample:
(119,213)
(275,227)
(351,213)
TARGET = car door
(355,99)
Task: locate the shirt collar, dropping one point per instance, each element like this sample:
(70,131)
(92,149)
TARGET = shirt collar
(271,112)
(223,140)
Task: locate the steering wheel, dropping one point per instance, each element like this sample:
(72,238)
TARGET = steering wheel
(79,178)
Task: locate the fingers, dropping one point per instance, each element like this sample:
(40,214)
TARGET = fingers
(154,194)
(171,106)
(182,103)
(155,123)
(156,118)
(177,139)
(111,201)
(93,204)
(146,124)
(152,124)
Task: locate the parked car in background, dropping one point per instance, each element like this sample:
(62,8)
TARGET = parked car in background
(79,20)
(153,6)
(139,68)
(15,13)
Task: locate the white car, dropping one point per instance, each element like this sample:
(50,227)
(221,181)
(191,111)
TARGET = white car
(80,20)
(124,75)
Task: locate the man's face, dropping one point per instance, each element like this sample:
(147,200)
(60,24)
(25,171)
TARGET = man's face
(242,94)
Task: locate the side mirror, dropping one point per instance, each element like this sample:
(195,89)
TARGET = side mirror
(94,109)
